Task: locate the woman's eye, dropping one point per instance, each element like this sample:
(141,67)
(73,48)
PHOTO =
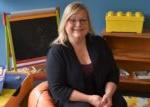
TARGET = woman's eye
(77,20)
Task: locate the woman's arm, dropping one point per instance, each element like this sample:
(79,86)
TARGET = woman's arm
(109,91)
(94,100)
(112,78)
(56,75)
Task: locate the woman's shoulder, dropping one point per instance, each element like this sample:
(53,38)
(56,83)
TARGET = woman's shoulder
(96,39)
(56,48)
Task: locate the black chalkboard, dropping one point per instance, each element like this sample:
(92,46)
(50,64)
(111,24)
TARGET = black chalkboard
(32,37)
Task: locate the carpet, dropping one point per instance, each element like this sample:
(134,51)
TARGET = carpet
(137,101)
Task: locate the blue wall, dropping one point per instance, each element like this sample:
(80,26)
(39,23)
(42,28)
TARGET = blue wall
(97,9)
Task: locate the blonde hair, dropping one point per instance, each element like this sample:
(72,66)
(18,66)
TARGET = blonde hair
(71,9)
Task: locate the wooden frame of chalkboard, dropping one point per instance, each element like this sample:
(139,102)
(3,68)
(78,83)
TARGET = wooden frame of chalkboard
(31,33)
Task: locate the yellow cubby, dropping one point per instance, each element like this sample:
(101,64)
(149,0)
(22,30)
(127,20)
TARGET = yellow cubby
(124,21)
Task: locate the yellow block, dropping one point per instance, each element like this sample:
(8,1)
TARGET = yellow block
(5,96)
(124,21)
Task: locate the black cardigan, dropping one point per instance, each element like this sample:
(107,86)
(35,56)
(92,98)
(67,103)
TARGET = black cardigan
(64,70)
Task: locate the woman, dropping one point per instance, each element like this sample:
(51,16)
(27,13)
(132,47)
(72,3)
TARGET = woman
(80,67)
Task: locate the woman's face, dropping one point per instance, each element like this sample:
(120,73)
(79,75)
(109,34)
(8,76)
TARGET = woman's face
(77,25)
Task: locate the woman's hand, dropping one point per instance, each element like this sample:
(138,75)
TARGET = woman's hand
(95,100)
(106,101)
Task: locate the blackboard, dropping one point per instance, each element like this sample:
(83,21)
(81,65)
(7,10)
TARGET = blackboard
(32,37)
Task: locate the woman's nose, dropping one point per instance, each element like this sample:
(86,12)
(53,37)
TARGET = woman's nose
(78,23)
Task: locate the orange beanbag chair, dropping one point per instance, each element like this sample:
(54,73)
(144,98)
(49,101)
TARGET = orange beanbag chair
(39,96)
